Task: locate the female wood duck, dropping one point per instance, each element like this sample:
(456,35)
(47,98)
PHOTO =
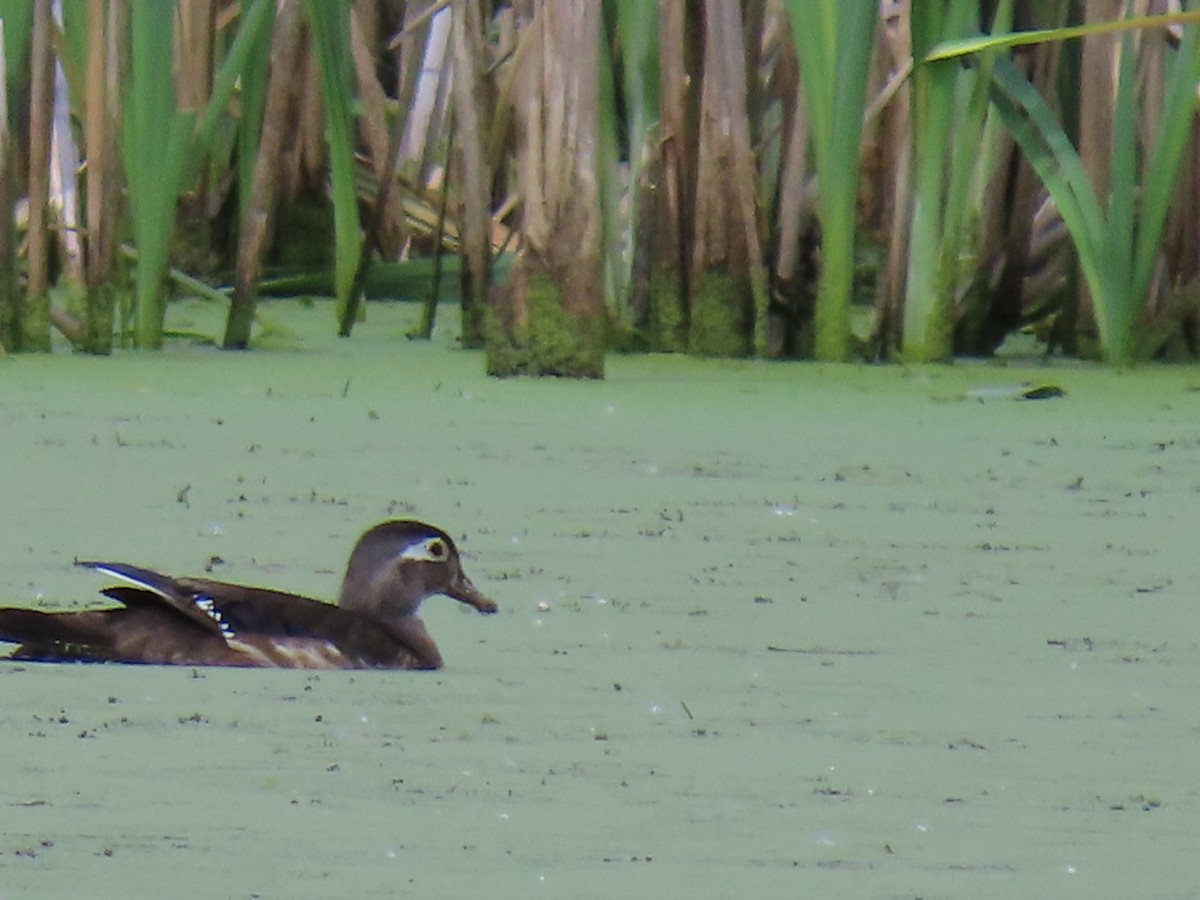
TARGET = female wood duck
(199,622)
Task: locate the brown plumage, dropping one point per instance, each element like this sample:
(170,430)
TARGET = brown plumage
(200,622)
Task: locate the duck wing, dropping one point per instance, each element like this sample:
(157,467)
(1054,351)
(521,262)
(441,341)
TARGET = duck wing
(293,630)
(147,588)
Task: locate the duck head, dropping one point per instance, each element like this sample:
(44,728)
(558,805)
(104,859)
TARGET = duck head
(396,565)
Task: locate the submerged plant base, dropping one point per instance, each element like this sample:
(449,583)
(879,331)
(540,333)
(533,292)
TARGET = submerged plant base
(550,341)
(665,325)
(719,323)
(24,327)
(98,320)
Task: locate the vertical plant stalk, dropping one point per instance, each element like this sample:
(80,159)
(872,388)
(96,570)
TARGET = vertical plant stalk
(727,270)
(255,79)
(889,299)
(472,171)
(666,321)
(274,130)
(615,196)
(949,106)
(386,229)
(34,318)
(155,145)
(792,208)
(100,147)
(385,210)
(197,35)
(425,71)
(554,321)
(10,296)
(638,28)
(1016,198)
(424,330)
(15,32)
(1097,95)
(834,42)
(330,30)
(195,62)
(426,76)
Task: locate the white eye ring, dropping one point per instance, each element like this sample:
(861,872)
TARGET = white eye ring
(432,549)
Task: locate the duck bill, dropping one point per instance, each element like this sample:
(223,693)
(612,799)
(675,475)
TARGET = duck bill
(464,592)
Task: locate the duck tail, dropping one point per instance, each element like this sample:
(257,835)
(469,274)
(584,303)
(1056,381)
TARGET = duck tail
(48,636)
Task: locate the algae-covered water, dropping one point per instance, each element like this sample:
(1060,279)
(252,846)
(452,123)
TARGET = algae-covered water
(766,630)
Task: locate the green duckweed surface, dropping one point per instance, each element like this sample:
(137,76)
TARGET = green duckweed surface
(767,630)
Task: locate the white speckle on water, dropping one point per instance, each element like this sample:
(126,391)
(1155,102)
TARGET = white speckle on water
(996,392)
(1070,869)
(781,509)
(390,854)
(543,606)
(923,828)
(216,529)
(824,839)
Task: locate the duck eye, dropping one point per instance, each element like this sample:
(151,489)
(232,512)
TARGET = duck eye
(430,550)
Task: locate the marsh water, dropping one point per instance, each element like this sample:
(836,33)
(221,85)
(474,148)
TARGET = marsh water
(766,629)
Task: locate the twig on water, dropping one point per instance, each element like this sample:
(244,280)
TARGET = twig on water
(820,651)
